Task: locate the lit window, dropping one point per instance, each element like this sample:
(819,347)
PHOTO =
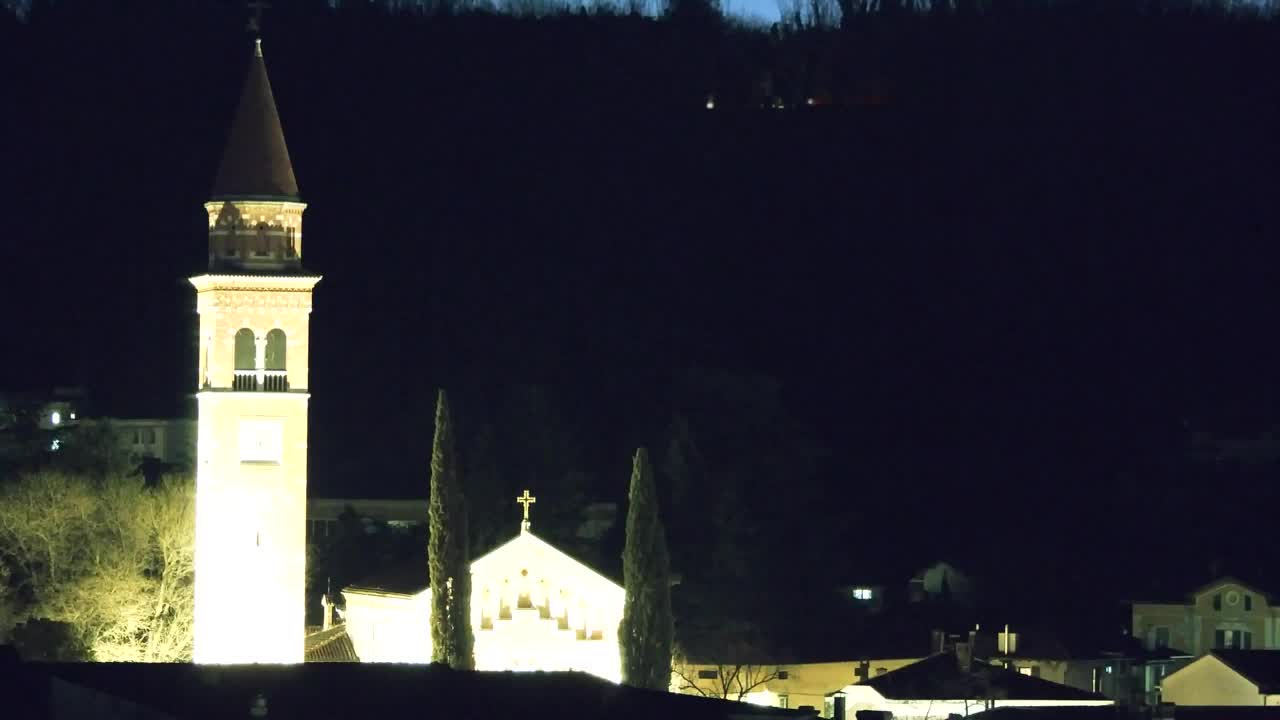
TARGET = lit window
(1024,670)
(862,593)
(73,416)
(55,445)
(55,418)
(784,701)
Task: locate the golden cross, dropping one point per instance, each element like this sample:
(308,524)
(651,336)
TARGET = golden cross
(526,500)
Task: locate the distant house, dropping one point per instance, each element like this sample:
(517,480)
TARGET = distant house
(939,583)
(1120,669)
(775,683)
(942,582)
(1227,677)
(951,683)
(1226,614)
(323,514)
(170,441)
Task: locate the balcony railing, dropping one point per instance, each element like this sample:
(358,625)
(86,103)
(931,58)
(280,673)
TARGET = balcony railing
(261,381)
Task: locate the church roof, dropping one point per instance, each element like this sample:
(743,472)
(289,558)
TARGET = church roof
(413,577)
(255,163)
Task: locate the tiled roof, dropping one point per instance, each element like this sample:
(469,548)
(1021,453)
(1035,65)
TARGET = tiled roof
(940,677)
(1260,667)
(332,645)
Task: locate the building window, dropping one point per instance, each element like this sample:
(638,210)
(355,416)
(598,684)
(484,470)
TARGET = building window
(1248,602)
(246,349)
(862,593)
(1161,638)
(1232,640)
(1217,601)
(784,701)
(707,675)
(263,248)
(149,436)
(1025,670)
(275,354)
(783,674)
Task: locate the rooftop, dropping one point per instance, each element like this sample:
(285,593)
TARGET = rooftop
(940,677)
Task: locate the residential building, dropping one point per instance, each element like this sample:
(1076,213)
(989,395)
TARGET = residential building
(171,441)
(1226,677)
(955,684)
(1226,614)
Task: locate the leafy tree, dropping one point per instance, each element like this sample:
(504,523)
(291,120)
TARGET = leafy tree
(112,560)
(451,637)
(645,634)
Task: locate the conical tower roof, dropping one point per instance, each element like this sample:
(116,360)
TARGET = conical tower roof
(256,163)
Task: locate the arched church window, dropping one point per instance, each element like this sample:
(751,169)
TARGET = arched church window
(275,350)
(245,349)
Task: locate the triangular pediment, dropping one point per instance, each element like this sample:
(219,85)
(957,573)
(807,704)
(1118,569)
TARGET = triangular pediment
(528,552)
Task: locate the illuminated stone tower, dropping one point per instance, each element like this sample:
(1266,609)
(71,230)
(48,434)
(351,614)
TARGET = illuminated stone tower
(251,478)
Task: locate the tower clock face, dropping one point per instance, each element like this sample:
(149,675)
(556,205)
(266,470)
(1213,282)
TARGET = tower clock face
(261,440)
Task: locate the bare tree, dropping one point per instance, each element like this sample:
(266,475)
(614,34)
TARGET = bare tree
(730,663)
(114,560)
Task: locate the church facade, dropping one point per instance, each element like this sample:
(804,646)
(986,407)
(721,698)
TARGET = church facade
(533,607)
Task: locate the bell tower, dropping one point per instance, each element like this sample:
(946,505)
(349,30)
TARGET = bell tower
(251,474)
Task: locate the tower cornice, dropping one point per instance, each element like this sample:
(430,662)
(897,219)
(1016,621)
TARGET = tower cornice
(278,283)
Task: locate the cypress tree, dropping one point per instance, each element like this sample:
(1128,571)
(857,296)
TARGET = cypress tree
(447,557)
(646,633)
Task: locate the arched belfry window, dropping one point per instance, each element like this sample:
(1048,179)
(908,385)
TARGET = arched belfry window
(262,249)
(246,360)
(245,350)
(275,350)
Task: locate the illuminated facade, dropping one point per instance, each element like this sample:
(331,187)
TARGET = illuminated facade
(251,458)
(532,608)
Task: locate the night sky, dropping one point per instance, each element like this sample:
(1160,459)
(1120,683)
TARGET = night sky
(1002,310)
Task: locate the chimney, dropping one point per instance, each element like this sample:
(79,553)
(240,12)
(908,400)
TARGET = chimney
(837,706)
(326,610)
(964,657)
